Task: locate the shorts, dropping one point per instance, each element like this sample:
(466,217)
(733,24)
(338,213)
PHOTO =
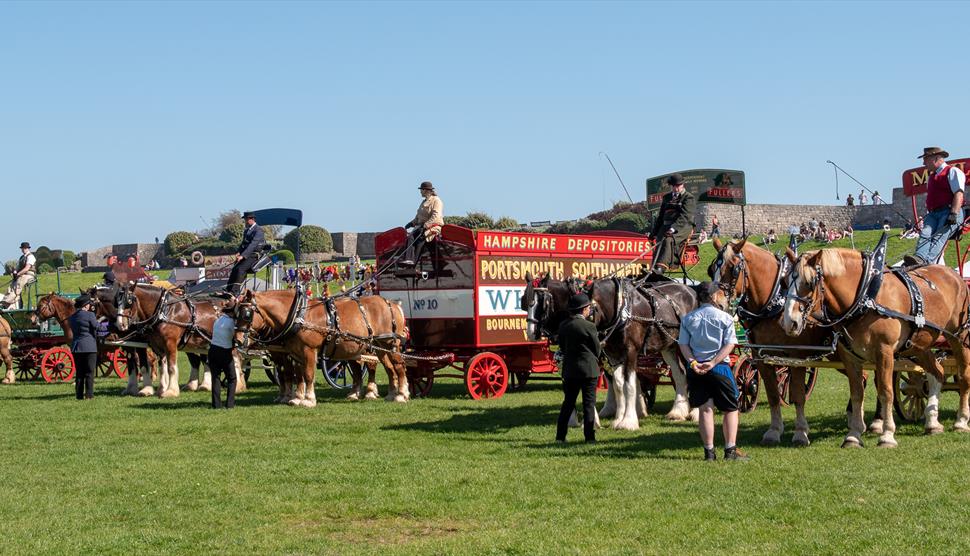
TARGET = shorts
(717,384)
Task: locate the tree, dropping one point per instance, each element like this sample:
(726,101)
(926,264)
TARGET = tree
(506,223)
(233,233)
(284,255)
(313,239)
(177,242)
(628,221)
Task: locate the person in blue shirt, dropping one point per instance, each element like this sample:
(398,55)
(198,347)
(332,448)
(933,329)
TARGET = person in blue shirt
(84,346)
(221,359)
(706,340)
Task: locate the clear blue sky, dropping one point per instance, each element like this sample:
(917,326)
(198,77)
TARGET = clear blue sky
(124,121)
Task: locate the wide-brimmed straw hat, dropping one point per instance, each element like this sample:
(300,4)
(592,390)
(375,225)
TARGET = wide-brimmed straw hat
(934,151)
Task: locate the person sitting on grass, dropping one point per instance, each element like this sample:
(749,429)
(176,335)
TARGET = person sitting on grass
(706,340)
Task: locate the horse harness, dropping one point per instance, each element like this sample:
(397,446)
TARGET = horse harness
(625,290)
(160,315)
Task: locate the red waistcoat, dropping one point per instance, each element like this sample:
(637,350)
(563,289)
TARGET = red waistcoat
(938,193)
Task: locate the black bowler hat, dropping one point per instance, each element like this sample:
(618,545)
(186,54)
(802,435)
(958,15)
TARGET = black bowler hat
(249,214)
(24,245)
(426,185)
(578,302)
(675,179)
(82,300)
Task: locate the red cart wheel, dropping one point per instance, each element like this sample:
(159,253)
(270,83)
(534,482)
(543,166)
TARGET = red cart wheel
(486,376)
(746,376)
(105,364)
(420,386)
(119,363)
(57,364)
(784,379)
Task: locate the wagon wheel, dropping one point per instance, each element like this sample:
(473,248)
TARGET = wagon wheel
(105,364)
(337,373)
(27,368)
(272,372)
(57,364)
(486,376)
(910,393)
(784,377)
(420,386)
(649,389)
(119,363)
(746,376)
(518,380)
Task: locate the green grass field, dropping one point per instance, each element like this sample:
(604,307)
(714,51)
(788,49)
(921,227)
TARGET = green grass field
(448,475)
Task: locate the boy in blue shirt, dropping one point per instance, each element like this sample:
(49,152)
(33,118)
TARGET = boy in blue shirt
(706,340)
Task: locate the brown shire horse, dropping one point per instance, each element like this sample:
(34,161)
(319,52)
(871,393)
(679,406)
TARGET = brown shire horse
(825,282)
(286,321)
(168,322)
(5,338)
(53,306)
(632,320)
(752,274)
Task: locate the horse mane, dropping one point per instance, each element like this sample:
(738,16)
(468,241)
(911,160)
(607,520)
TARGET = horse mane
(830,261)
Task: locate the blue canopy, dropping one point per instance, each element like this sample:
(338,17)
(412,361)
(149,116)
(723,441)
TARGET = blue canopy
(282,217)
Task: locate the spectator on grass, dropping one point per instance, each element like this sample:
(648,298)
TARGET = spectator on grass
(771,237)
(579,345)
(706,339)
(221,358)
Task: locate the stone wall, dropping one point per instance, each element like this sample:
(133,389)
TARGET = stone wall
(146,252)
(346,244)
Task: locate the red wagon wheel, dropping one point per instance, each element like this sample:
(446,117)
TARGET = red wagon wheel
(420,386)
(746,376)
(486,376)
(57,364)
(784,380)
(119,363)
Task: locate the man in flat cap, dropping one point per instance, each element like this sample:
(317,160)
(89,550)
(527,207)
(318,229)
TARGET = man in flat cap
(944,206)
(426,224)
(673,225)
(249,250)
(24,274)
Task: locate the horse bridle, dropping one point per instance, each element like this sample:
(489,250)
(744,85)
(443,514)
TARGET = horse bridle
(739,271)
(543,299)
(810,306)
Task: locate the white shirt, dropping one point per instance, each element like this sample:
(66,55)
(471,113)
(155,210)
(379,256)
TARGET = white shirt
(956,177)
(223,331)
(31,261)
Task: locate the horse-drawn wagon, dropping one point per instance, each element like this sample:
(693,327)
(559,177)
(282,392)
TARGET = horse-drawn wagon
(462,302)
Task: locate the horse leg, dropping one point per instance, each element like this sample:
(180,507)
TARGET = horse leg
(619,386)
(609,408)
(357,375)
(170,379)
(769,378)
(629,405)
(857,424)
(372,392)
(299,387)
(403,390)
(309,378)
(240,373)
(147,380)
(885,361)
(194,362)
(934,382)
(641,400)
(681,410)
(796,392)
(962,356)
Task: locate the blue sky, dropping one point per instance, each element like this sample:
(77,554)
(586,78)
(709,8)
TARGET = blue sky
(124,121)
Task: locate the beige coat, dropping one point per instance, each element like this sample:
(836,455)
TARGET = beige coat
(430,216)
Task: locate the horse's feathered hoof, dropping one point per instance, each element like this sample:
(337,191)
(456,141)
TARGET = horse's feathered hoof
(192,386)
(169,394)
(961,427)
(353,396)
(626,425)
(400,398)
(876,427)
(146,392)
(769,441)
(887,444)
(371,396)
(800,441)
(852,442)
(295,402)
(930,431)
(309,403)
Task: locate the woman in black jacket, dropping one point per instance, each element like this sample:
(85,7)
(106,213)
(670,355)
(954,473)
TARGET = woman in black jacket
(84,326)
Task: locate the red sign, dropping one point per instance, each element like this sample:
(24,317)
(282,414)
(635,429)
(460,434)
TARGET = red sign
(600,245)
(914,179)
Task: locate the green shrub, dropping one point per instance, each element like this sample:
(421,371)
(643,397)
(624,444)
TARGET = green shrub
(629,222)
(44,268)
(42,254)
(67,258)
(233,233)
(506,223)
(284,255)
(313,239)
(178,242)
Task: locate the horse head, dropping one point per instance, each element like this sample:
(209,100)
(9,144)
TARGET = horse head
(805,298)
(125,303)
(729,268)
(245,312)
(46,309)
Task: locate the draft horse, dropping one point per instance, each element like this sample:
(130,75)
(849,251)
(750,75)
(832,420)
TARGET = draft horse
(342,329)
(631,320)
(911,313)
(5,339)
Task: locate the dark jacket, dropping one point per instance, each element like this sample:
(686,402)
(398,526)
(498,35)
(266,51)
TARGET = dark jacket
(253,240)
(678,215)
(84,325)
(579,344)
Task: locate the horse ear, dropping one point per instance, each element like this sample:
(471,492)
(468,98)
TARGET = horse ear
(741,243)
(790,254)
(528,276)
(717,243)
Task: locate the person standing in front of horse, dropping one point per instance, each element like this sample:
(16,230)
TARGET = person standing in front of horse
(426,224)
(706,340)
(221,359)
(944,206)
(24,274)
(84,346)
(249,250)
(579,345)
(674,224)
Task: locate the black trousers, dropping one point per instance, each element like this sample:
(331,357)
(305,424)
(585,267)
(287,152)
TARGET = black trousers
(238,274)
(221,361)
(571,387)
(86,363)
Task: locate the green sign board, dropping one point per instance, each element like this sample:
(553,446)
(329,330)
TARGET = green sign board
(707,185)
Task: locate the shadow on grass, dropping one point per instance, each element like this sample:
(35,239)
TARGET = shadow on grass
(485,420)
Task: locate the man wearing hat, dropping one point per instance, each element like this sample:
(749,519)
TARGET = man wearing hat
(706,340)
(579,345)
(426,224)
(84,346)
(673,225)
(252,244)
(24,274)
(944,206)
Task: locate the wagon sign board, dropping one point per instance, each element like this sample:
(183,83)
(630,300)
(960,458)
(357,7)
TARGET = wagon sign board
(707,185)
(914,179)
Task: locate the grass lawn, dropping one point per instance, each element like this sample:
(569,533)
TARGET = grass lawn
(448,475)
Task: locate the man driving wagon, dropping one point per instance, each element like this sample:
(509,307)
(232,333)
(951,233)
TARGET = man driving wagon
(673,225)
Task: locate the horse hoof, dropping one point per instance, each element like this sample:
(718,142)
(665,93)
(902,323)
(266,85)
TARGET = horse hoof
(146,392)
(400,398)
(852,442)
(353,396)
(875,429)
(626,425)
(309,403)
(887,443)
(675,417)
(961,427)
(930,431)
(800,442)
(295,402)
(769,441)
(371,396)
(169,394)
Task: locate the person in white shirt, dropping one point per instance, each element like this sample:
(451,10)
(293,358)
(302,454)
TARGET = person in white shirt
(25,273)
(221,358)
(862,197)
(877,198)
